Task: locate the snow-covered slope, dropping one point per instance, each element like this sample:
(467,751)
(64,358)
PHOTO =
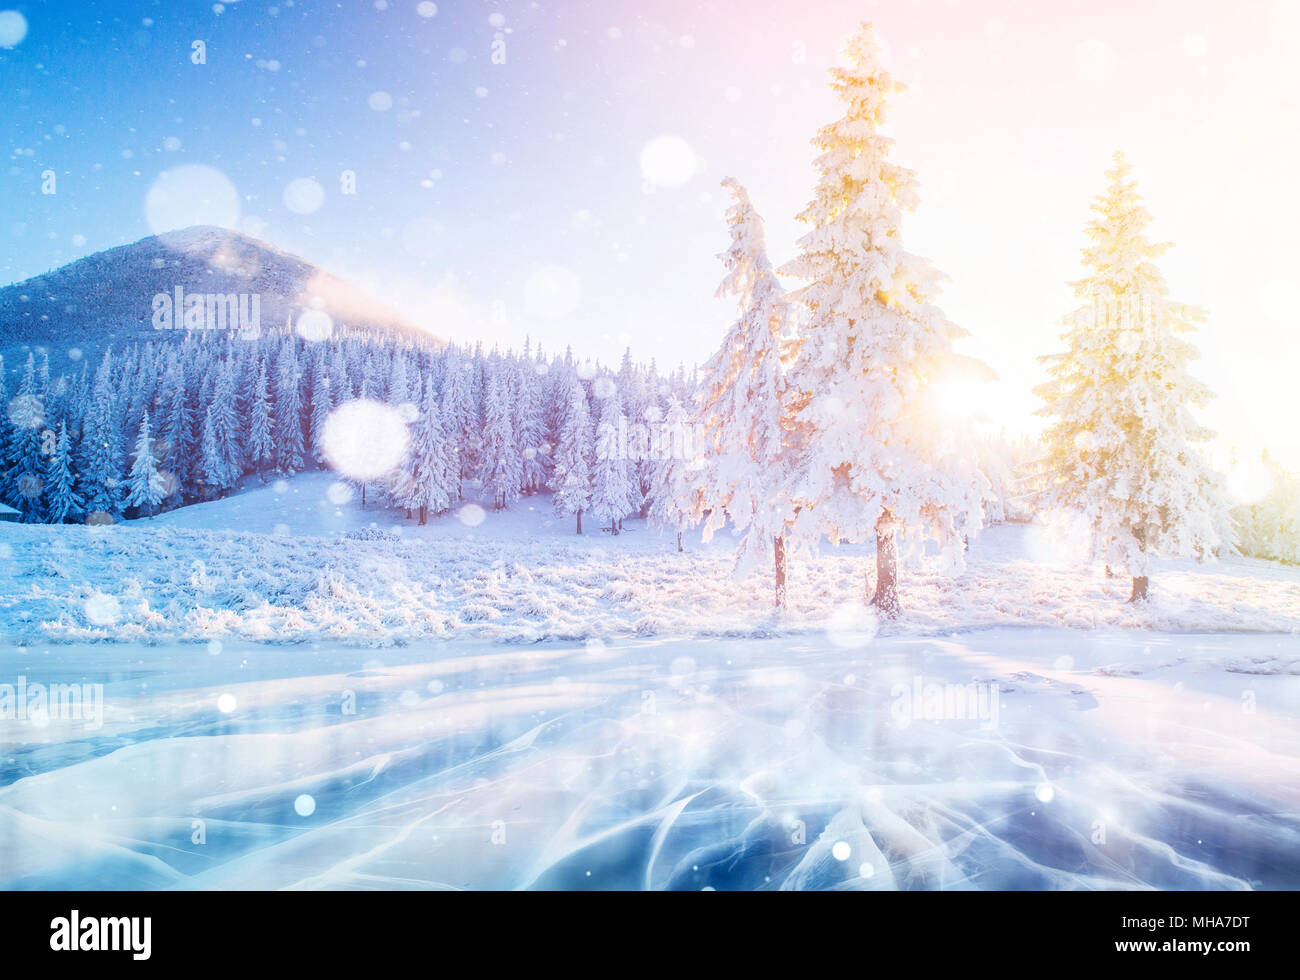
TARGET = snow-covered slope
(294,560)
(106,297)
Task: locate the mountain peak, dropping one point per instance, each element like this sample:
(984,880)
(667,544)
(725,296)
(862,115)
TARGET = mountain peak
(108,297)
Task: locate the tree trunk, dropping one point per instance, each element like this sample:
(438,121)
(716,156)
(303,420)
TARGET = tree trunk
(886,598)
(778,551)
(424,514)
(1139,581)
(679,540)
(579,520)
(613,528)
(1139,589)
(363,495)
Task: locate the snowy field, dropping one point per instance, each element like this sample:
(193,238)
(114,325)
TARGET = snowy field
(502,705)
(294,570)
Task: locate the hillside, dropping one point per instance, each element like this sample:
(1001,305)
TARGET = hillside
(107,298)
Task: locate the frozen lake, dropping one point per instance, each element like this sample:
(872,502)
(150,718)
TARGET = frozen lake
(1034,758)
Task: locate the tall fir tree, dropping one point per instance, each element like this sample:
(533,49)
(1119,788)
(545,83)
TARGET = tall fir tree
(677,500)
(460,416)
(322,403)
(500,472)
(176,428)
(743,404)
(214,469)
(226,427)
(874,461)
(612,494)
(147,485)
(1122,445)
(6,440)
(100,472)
(261,446)
(289,446)
(26,415)
(530,428)
(571,485)
(62,499)
(432,485)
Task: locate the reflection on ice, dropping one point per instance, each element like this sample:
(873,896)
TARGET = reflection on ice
(1134,760)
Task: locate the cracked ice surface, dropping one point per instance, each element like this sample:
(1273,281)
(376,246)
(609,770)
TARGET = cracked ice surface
(1115,760)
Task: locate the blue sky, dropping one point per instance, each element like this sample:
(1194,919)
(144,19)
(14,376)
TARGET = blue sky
(499,199)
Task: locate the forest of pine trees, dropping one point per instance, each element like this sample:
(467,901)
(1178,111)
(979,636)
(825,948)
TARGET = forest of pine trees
(160,425)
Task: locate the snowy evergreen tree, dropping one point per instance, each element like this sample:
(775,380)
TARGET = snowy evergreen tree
(100,473)
(432,486)
(676,503)
(322,404)
(261,447)
(531,440)
(147,485)
(289,447)
(214,466)
(226,428)
(500,469)
(1122,446)
(459,416)
(612,494)
(6,440)
(62,499)
(26,415)
(743,403)
(874,461)
(176,430)
(571,486)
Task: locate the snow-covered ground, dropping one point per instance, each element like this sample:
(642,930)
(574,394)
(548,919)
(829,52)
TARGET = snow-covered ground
(293,569)
(499,703)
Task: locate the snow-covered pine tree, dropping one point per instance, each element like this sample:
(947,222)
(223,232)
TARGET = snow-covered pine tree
(322,403)
(460,416)
(26,415)
(288,410)
(176,429)
(500,472)
(874,462)
(62,499)
(100,474)
(1122,445)
(147,485)
(432,485)
(571,484)
(261,447)
(6,457)
(612,494)
(743,403)
(225,417)
(214,469)
(530,428)
(676,498)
